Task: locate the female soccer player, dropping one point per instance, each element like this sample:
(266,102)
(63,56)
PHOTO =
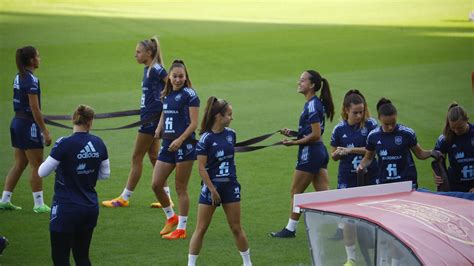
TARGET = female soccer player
(348,141)
(177,125)
(392,143)
(312,154)
(27,129)
(79,160)
(215,153)
(148,53)
(457,141)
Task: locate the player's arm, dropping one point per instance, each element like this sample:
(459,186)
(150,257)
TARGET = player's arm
(48,166)
(202,161)
(159,128)
(335,155)
(193,115)
(313,137)
(423,154)
(35,109)
(366,161)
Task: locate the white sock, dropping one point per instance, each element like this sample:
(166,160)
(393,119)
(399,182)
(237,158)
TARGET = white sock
(126,194)
(340,225)
(169,212)
(182,220)
(167,191)
(6,196)
(192,259)
(395,262)
(292,224)
(38,198)
(246,257)
(351,252)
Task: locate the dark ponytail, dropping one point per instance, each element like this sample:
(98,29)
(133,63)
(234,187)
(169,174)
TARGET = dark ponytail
(23,58)
(355,97)
(322,84)
(386,108)
(83,115)
(168,86)
(455,113)
(214,106)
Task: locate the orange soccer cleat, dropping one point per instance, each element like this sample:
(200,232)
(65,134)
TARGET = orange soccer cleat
(169,225)
(176,234)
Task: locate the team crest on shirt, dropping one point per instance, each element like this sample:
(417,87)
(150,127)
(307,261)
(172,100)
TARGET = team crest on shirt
(229,139)
(177,97)
(398,140)
(363,131)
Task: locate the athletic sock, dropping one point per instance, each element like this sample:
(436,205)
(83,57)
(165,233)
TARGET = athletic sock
(351,252)
(192,259)
(126,194)
(167,191)
(340,226)
(292,224)
(6,196)
(182,220)
(169,212)
(38,198)
(246,257)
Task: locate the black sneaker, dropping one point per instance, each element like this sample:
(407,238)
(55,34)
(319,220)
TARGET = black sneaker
(3,243)
(284,233)
(338,235)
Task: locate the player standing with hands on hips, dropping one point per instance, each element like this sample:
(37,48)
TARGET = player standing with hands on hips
(79,160)
(313,157)
(215,154)
(27,129)
(178,122)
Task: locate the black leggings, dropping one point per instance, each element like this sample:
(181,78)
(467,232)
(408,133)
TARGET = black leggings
(79,242)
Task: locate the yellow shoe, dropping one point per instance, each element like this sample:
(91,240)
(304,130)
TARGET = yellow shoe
(117,202)
(169,225)
(157,205)
(350,262)
(176,234)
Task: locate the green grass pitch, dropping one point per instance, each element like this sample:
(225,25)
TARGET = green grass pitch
(418,53)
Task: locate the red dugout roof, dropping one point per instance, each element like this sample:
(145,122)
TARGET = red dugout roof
(438,229)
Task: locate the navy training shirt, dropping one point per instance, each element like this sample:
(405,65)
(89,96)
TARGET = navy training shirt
(80,156)
(461,159)
(152,86)
(313,112)
(21,88)
(219,149)
(394,156)
(176,112)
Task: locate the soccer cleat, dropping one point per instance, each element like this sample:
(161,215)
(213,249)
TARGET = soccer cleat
(117,202)
(176,234)
(350,262)
(284,233)
(42,209)
(9,206)
(169,225)
(338,235)
(157,204)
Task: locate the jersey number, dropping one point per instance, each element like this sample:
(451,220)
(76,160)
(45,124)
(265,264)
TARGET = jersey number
(356,161)
(468,172)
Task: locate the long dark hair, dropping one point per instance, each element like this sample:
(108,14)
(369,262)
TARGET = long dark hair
(455,113)
(355,97)
(168,86)
(214,106)
(23,58)
(322,84)
(386,108)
